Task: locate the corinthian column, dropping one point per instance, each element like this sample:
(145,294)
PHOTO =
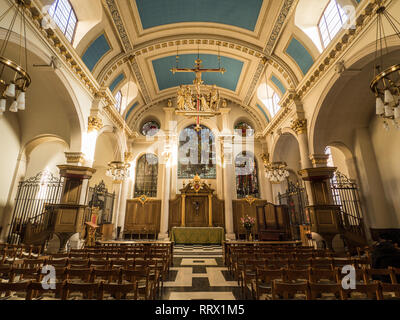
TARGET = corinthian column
(227,169)
(300,127)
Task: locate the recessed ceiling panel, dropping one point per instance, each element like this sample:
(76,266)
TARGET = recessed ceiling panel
(239,13)
(228,80)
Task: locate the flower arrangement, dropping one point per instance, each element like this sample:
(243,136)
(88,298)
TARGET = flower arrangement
(248,222)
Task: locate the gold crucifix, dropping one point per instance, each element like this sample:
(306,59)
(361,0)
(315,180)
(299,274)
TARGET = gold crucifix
(198,81)
(198,71)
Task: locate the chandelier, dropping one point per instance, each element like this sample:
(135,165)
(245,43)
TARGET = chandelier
(119,171)
(275,172)
(14,77)
(204,101)
(386,82)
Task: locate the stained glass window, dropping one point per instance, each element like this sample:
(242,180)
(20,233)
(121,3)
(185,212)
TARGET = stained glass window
(64,16)
(331,22)
(246,175)
(244,129)
(197,154)
(150,128)
(146,176)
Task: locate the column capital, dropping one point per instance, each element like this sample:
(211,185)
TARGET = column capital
(299,126)
(225,110)
(72,171)
(320,173)
(94,123)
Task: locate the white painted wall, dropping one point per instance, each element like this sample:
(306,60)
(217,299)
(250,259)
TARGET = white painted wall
(387,150)
(10,148)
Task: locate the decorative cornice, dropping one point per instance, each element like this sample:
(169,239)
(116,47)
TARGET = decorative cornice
(319,160)
(254,81)
(119,25)
(299,126)
(76,158)
(140,80)
(94,123)
(276,31)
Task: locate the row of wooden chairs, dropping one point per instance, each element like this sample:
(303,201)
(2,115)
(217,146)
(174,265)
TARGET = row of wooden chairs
(317,291)
(261,281)
(147,280)
(34,290)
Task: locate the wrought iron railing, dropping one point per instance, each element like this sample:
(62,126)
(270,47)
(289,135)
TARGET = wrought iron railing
(32,196)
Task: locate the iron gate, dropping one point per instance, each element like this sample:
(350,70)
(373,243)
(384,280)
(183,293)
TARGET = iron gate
(104,200)
(32,196)
(345,194)
(296,200)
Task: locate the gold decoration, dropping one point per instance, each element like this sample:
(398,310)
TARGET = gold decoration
(197,184)
(94,124)
(299,126)
(250,199)
(143,199)
(128,156)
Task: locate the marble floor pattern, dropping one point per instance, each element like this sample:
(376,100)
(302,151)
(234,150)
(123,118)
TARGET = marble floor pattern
(199,274)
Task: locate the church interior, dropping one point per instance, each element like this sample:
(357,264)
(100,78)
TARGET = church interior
(197,150)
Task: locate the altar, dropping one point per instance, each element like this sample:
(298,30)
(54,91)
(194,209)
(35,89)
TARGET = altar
(197,235)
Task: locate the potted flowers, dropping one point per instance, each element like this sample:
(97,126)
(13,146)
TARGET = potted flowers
(248,223)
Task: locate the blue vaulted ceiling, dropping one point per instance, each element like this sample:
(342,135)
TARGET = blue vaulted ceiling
(228,80)
(239,13)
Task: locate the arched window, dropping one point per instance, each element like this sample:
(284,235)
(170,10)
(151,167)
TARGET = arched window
(244,129)
(64,16)
(246,175)
(197,153)
(331,22)
(118,98)
(269,98)
(150,128)
(328,152)
(146,176)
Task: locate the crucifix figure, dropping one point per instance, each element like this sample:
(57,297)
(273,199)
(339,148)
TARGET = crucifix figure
(198,82)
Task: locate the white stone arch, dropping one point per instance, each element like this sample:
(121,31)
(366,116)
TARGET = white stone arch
(356,61)
(74,109)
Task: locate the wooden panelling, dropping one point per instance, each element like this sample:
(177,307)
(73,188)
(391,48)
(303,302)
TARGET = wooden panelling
(218,207)
(174,213)
(197,211)
(142,218)
(242,208)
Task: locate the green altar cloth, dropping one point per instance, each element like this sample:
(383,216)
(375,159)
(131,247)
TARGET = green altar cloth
(183,235)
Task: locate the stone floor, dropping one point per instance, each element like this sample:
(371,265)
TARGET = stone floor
(199,274)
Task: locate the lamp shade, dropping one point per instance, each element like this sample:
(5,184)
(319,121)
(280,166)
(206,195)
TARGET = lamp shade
(10,91)
(14,106)
(388,111)
(380,106)
(388,97)
(397,112)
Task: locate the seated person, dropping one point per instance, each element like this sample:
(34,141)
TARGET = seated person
(385,254)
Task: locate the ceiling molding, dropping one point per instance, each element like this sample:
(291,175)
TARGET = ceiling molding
(119,25)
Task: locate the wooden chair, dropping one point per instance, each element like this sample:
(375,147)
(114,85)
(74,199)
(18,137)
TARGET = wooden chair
(396,273)
(58,263)
(322,276)
(263,281)
(318,290)
(100,264)
(322,263)
(290,291)
(382,275)
(87,291)
(295,275)
(368,291)
(13,290)
(78,263)
(249,274)
(389,291)
(33,263)
(37,292)
(22,275)
(142,279)
(81,275)
(107,276)
(360,275)
(119,291)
